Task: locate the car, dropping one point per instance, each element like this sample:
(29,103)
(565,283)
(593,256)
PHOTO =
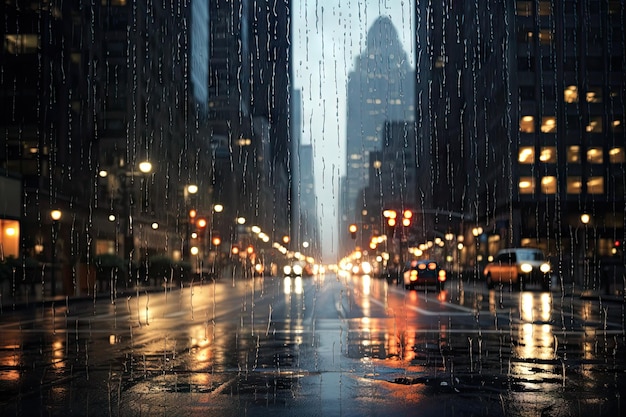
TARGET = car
(424,273)
(362,268)
(293,270)
(518,267)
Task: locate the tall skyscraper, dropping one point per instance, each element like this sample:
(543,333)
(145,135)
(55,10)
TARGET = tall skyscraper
(380,89)
(537,125)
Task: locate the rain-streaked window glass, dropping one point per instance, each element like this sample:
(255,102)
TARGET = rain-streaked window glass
(527,124)
(595,155)
(573,154)
(548,154)
(574,185)
(617,155)
(570,95)
(526,155)
(527,185)
(548,185)
(548,124)
(595,185)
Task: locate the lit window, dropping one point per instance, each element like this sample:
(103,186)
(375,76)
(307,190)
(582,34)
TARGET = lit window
(570,95)
(617,156)
(10,237)
(527,124)
(548,185)
(595,125)
(574,185)
(545,36)
(524,8)
(526,185)
(548,154)
(594,155)
(617,125)
(573,154)
(545,8)
(595,185)
(594,95)
(15,44)
(527,155)
(548,124)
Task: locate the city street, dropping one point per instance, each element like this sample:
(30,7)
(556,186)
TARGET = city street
(320,346)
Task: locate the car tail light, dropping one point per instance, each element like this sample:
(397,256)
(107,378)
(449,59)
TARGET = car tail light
(413,276)
(442,275)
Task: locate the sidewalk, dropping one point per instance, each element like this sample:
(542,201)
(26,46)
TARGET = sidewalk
(21,298)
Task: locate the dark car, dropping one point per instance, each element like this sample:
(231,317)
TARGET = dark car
(425,273)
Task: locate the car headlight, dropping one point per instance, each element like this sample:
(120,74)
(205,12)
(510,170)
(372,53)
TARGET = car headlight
(526,268)
(287,269)
(366,267)
(545,268)
(297,269)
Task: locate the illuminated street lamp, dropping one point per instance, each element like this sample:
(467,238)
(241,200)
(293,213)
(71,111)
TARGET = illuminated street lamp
(55,215)
(145,167)
(352,229)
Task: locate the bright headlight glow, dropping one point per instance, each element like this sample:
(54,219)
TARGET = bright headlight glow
(287,269)
(526,268)
(297,269)
(366,267)
(545,268)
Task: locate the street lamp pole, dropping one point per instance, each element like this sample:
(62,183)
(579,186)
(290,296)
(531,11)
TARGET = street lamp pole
(56,216)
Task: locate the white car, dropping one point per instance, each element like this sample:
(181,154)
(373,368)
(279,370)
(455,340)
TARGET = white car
(518,267)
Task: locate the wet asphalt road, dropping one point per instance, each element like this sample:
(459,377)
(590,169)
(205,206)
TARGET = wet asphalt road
(322,346)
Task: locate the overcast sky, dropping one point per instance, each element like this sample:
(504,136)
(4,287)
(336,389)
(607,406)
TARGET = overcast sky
(327,36)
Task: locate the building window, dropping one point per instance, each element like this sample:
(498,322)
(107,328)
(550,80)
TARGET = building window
(526,185)
(594,95)
(594,156)
(527,124)
(595,125)
(526,155)
(617,156)
(548,154)
(548,124)
(595,185)
(18,44)
(617,125)
(525,8)
(570,94)
(574,185)
(545,36)
(10,238)
(545,8)
(573,154)
(548,185)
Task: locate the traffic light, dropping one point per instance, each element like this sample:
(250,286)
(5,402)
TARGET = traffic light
(391,227)
(407,215)
(352,230)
